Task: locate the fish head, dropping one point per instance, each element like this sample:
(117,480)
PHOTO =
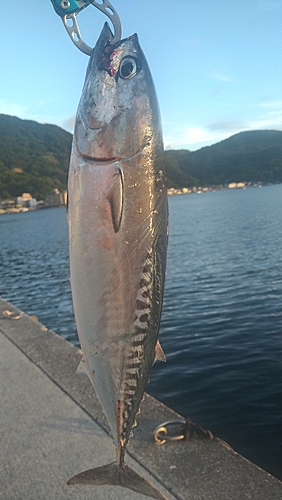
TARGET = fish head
(118,113)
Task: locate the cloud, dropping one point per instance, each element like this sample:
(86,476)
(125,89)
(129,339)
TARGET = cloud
(270,4)
(270,117)
(221,81)
(220,77)
(12,108)
(270,104)
(69,124)
(30,113)
(266,114)
(226,126)
(195,137)
(273,121)
(189,40)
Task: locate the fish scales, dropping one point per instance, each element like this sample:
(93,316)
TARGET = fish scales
(117,216)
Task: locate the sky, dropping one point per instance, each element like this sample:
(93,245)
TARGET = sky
(216,64)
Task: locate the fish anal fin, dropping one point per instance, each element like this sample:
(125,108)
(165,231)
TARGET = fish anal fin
(111,475)
(115,199)
(82,369)
(159,353)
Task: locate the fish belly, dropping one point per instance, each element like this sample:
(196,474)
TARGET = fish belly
(117,225)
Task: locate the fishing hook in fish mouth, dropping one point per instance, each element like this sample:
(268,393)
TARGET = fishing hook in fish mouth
(68,10)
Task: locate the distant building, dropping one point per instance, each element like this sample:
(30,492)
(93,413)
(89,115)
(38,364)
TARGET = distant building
(7,204)
(234,185)
(26,200)
(55,198)
(172,191)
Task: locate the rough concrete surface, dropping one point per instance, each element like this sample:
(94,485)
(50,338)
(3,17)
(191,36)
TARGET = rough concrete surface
(52,426)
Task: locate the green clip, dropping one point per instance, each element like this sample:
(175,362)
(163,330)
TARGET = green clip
(68,7)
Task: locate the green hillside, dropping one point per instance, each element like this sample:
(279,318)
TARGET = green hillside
(34,158)
(248,157)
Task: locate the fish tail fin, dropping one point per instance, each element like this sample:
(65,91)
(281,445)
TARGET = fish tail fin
(111,475)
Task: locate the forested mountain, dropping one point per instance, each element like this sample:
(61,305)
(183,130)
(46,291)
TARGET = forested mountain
(248,157)
(34,158)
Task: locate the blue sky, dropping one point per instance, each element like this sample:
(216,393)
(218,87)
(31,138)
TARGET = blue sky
(216,63)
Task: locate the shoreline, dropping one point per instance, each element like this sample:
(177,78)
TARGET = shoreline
(231,185)
(24,209)
(170,192)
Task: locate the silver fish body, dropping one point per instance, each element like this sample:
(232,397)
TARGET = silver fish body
(118,239)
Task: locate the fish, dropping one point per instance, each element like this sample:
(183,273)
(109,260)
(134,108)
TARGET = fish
(118,234)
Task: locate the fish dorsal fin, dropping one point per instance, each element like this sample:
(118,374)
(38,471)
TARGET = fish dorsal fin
(115,199)
(159,353)
(82,369)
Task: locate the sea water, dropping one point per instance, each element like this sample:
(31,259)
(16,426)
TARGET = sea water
(221,326)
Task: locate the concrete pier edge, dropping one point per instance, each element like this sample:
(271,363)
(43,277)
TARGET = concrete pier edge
(195,468)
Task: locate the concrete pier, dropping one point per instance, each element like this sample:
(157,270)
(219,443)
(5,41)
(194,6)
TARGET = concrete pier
(52,427)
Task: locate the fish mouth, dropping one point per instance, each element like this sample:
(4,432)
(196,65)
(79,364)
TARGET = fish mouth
(108,159)
(105,159)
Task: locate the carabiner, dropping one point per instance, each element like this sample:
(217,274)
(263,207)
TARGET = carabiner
(68,10)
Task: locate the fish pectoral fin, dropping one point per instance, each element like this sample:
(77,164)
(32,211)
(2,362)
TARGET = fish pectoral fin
(82,369)
(115,200)
(111,475)
(159,353)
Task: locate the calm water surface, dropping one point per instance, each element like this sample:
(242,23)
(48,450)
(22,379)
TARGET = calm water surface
(222,317)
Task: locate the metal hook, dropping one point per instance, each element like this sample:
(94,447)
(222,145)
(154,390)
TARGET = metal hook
(186,429)
(162,429)
(68,10)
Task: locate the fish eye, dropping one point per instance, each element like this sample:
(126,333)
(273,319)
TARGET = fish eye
(128,68)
